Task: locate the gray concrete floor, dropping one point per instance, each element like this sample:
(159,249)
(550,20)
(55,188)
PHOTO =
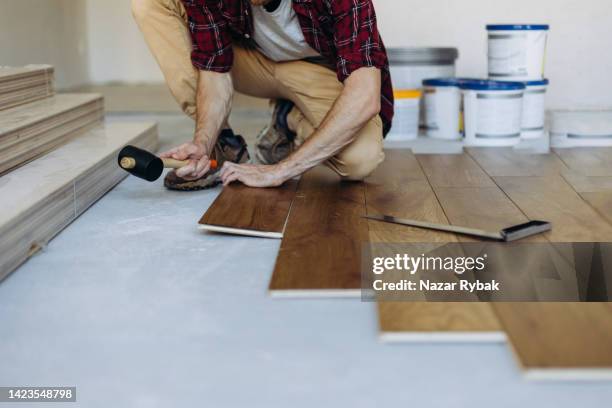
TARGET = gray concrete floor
(136,308)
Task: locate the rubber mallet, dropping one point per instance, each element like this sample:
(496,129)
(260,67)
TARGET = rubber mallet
(148,166)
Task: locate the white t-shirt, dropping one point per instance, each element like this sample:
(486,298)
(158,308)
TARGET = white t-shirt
(278,34)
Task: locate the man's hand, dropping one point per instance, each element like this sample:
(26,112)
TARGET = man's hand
(253,175)
(199,161)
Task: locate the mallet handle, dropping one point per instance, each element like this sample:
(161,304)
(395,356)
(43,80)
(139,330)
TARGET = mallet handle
(177,164)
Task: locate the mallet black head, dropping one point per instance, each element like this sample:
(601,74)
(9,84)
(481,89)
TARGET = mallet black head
(140,163)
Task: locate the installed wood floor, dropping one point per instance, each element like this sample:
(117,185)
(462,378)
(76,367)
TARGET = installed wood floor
(247,211)
(557,340)
(321,251)
(400,188)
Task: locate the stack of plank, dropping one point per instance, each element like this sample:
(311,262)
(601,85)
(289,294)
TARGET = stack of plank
(325,239)
(57,158)
(27,84)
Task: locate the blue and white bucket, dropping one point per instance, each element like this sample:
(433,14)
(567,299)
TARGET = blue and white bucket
(442,108)
(493,112)
(517,52)
(534,110)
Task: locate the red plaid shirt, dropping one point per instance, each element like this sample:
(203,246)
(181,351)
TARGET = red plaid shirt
(343,31)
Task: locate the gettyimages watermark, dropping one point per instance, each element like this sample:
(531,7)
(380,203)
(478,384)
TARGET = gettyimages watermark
(487,272)
(37,394)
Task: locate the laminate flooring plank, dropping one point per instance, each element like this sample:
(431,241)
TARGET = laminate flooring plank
(320,255)
(553,199)
(501,161)
(454,171)
(399,188)
(587,161)
(241,210)
(41,198)
(564,340)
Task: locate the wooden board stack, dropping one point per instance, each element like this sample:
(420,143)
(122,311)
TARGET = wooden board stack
(41,198)
(22,85)
(56,159)
(29,131)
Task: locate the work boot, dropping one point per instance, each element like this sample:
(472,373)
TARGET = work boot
(275,142)
(229,147)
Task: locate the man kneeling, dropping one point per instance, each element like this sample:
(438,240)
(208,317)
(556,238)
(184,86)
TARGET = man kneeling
(321,62)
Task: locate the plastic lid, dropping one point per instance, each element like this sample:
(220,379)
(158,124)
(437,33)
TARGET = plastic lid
(541,82)
(442,82)
(419,55)
(407,94)
(518,27)
(486,85)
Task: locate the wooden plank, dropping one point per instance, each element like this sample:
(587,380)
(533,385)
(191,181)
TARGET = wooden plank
(552,199)
(400,188)
(41,198)
(257,212)
(320,254)
(564,340)
(29,131)
(509,162)
(453,171)
(587,161)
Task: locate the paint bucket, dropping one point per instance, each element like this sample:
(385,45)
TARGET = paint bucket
(580,128)
(442,108)
(406,120)
(534,109)
(492,112)
(410,66)
(517,52)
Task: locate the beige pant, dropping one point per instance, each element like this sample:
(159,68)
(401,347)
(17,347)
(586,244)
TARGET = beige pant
(312,88)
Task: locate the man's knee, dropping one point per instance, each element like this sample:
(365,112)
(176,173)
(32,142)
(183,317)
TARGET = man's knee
(357,167)
(364,155)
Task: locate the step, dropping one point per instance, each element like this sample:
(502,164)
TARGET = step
(22,85)
(29,131)
(40,199)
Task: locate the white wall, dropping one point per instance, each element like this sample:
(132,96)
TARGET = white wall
(118,52)
(579,62)
(46,31)
(579,53)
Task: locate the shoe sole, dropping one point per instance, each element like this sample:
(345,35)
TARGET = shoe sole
(194,185)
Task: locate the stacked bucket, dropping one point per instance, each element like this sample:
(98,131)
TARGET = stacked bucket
(499,111)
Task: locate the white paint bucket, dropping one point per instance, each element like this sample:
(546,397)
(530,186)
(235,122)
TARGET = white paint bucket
(410,66)
(534,109)
(580,128)
(517,52)
(442,108)
(406,120)
(492,112)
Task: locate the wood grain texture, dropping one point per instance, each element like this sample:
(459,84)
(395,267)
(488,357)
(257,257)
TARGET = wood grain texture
(248,211)
(587,161)
(552,199)
(563,340)
(510,162)
(454,171)
(320,254)
(400,188)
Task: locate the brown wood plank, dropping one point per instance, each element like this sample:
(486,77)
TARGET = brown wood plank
(454,171)
(552,199)
(320,253)
(564,340)
(499,162)
(248,211)
(588,161)
(400,188)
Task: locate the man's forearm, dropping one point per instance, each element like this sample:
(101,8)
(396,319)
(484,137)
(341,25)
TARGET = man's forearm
(358,103)
(214,104)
